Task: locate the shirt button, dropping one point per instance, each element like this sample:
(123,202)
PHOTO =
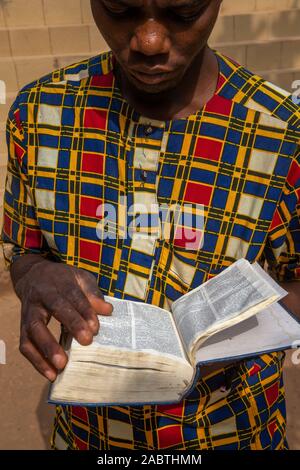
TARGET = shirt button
(144,175)
(148,130)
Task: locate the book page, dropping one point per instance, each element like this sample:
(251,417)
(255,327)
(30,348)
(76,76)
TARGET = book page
(272,329)
(140,327)
(235,291)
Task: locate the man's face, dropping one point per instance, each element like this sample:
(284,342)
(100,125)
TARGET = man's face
(155,41)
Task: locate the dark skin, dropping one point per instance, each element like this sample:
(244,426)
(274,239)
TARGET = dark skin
(146,36)
(68,294)
(155,35)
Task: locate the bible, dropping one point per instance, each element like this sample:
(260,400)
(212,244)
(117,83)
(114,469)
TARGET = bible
(144,354)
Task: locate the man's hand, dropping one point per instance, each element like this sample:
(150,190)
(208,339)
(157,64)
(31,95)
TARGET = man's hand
(70,295)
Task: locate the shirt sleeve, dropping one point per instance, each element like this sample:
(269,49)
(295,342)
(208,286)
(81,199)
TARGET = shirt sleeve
(20,233)
(282,250)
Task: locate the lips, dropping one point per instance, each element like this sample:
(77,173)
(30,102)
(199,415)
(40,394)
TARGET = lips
(150,78)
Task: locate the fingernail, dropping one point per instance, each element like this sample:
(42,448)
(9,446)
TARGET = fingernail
(58,361)
(84,337)
(109,306)
(50,375)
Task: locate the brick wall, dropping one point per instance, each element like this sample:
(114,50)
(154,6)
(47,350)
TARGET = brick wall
(37,36)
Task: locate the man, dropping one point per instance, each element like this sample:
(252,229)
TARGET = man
(160,119)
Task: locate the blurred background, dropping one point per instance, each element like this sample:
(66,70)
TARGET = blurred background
(39,36)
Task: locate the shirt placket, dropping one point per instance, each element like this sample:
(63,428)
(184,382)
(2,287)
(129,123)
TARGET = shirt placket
(146,139)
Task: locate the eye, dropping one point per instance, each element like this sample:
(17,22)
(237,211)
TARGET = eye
(186,19)
(116,10)
(189,15)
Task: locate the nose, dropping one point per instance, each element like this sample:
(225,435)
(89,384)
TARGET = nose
(151,38)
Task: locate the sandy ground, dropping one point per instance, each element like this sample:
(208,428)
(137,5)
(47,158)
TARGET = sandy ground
(26,418)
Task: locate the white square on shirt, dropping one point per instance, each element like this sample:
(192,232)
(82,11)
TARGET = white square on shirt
(47,157)
(252,104)
(9,182)
(146,159)
(50,240)
(271,121)
(136,285)
(145,203)
(45,199)
(143,243)
(250,206)
(223,427)
(237,248)
(49,115)
(151,122)
(278,89)
(263,161)
(119,430)
(182,270)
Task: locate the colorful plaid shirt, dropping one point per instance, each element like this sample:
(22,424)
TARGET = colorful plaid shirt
(75,144)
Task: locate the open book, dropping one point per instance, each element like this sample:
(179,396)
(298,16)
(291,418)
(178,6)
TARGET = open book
(144,354)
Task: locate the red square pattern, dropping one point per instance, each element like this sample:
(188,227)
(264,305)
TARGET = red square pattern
(272,394)
(189,238)
(102,81)
(221,82)
(176,410)
(33,238)
(19,151)
(254,370)
(80,413)
(80,444)
(91,206)
(18,119)
(219,105)
(7,222)
(208,148)
(198,193)
(89,250)
(95,118)
(93,163)
(272,427)
(169,436)
(294,174)
(277,221)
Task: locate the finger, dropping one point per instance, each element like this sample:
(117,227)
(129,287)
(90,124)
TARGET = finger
(66,314)
(44,341)
(99,305)
(88,284)
(81,303)
(31,353)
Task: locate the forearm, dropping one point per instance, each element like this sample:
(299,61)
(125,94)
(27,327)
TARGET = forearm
(22,265)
